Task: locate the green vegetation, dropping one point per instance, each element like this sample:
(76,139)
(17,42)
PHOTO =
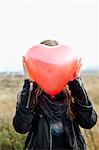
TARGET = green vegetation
(9,139)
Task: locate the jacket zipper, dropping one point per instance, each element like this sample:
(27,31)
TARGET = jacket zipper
(29,96)
(50,139)
(27,106)
(30,141)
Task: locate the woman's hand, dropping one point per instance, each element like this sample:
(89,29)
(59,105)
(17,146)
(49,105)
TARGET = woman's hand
(26,76)
(77,72)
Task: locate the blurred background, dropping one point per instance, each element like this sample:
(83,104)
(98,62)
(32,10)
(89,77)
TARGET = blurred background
(25,23)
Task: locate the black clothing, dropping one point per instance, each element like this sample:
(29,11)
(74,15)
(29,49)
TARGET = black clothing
(59,143)
(38,122)
(52,109)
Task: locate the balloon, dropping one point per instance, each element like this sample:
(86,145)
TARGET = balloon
(51,67)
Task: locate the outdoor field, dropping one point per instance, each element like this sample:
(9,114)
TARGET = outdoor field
(10,85)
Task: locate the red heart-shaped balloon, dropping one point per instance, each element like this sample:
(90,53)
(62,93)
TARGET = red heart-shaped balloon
(51,67)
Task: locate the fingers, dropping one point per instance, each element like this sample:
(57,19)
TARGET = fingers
(77,71)
(79,64)
(23,59)
(24,67)
(79,61)
(24,63)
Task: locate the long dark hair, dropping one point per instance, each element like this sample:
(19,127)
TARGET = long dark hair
(69,101)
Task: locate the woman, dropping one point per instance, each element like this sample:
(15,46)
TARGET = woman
(53,121)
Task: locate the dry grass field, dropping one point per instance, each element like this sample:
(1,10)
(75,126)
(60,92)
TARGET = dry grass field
(11,85)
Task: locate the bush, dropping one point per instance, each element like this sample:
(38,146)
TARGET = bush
(10,140)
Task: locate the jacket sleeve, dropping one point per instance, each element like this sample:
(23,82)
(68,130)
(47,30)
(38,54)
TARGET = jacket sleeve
(23,118)
(86,117)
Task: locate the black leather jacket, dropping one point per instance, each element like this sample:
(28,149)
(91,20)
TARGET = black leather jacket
(38,125)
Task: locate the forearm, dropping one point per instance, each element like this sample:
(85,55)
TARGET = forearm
(25,96)
(85,115)
(24,115)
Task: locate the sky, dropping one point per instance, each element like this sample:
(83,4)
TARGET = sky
(24,24)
